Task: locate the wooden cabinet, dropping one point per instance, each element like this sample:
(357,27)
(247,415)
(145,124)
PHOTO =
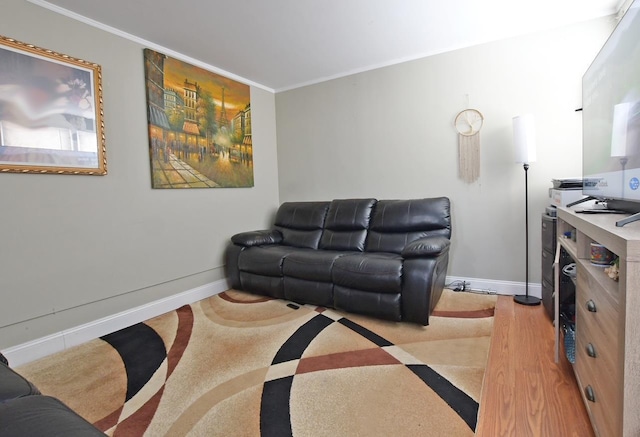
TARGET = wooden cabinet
(607,364)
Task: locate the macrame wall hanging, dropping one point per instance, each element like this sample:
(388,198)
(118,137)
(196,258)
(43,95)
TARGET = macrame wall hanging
(468,124)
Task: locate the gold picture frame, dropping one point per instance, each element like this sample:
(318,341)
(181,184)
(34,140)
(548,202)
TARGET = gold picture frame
(51,114)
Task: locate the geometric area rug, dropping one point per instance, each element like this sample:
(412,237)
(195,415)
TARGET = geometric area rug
(237,364)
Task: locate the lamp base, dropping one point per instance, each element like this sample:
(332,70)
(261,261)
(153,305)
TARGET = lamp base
(526,300)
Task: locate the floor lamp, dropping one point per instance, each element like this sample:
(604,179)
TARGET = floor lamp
(525,144)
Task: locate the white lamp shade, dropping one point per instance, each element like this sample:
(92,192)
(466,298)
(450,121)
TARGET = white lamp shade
(619,130)
(524,138)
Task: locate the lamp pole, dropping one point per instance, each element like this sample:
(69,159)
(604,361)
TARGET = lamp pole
(526,299)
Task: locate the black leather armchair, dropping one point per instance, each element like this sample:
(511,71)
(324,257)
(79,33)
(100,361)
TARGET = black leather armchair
(24,411)
(385,258)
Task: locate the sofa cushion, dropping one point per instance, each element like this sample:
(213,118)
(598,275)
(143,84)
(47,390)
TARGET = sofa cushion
(376,272)
(260,284)
(311,292)
(312,265)
(395,223)
(301,223)
(264,260)
(346,224)
(42,416)
(385,306)
(14,385)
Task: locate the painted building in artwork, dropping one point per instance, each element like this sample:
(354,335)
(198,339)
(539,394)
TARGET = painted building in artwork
(190,126)
(247,120)
(172,99)
(237,125)
(158,121)
(190,100)
(247,143)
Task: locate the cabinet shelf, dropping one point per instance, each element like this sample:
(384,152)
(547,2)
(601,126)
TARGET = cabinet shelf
(570,246)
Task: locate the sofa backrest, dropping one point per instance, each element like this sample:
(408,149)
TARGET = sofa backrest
(394,223)
(301,223)
(345,227)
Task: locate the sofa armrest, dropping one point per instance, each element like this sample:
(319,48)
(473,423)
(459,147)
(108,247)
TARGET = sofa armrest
(426,247)
(257,238)
(14,386)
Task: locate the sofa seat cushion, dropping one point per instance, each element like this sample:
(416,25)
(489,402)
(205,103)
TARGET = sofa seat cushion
(264,260)
(42,416)
(378,272)
(311,292)
(261,284)
(312,265)
(13,385)
(383,305)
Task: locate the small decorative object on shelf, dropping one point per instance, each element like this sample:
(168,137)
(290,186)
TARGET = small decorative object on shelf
(600,255)
(613,270)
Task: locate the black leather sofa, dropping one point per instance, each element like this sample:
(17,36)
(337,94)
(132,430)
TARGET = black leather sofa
(24,411)
(384,258)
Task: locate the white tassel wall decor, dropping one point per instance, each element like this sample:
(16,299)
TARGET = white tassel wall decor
(468,124)
(469,157)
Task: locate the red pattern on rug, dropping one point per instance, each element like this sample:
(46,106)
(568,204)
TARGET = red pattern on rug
(359,358)
(137,423)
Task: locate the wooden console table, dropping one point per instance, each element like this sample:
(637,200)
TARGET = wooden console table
(607,364)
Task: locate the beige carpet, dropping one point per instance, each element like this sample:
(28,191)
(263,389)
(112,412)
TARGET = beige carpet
(242,365)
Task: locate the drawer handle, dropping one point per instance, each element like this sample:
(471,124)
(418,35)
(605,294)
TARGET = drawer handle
(591,351)
(591,306)
(588,392)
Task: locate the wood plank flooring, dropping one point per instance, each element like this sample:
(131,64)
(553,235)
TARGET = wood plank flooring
(524,392)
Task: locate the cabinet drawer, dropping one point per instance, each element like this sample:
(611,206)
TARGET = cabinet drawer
(605,317)
(549,233)
(598,352)
(600,376)
(599,328)
(605,418)
(597,283)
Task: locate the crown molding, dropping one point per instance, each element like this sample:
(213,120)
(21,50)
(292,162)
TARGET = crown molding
(164,50)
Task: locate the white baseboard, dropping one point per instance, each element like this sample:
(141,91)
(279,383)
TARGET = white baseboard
(41,347)
(499,287)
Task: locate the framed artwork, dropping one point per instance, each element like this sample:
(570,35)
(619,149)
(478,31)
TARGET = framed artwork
(199,126)
(51,116)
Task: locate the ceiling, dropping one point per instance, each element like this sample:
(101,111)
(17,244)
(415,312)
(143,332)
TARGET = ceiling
(284,44)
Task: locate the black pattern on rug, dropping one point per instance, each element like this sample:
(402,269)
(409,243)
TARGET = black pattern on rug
(275,420)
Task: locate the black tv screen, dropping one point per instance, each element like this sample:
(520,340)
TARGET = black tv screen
(611,115)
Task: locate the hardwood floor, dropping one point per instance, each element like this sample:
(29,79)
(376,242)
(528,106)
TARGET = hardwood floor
(525,393)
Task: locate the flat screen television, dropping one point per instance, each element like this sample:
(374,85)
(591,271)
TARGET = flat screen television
(611,119)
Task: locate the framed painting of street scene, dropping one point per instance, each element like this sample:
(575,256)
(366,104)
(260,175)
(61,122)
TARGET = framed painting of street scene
(199,126)
(50,112)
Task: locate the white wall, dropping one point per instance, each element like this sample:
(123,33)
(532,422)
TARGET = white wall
(78,248)
(389,133)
